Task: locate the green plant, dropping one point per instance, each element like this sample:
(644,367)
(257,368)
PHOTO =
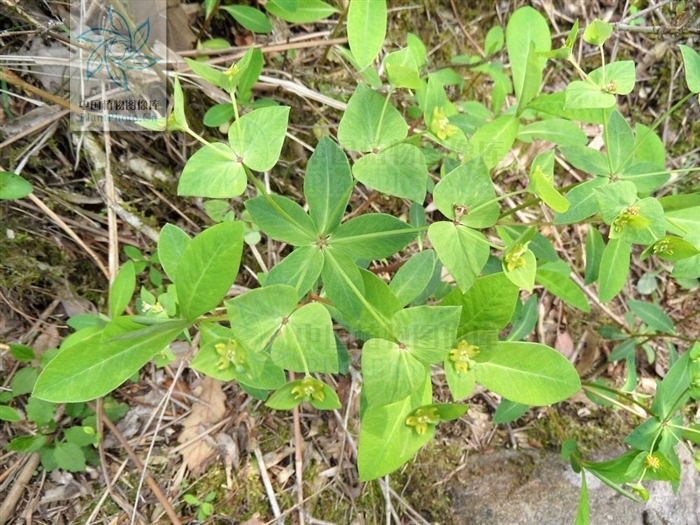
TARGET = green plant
(61,445)
(204,507)
(453,150)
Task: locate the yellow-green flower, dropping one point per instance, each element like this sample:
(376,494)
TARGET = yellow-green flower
(309,388)
(423,417)
(514,258)
(231,354)
(440,125)
(652,462)
(462,356)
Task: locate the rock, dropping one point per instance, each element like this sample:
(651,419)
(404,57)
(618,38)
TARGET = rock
(538,488)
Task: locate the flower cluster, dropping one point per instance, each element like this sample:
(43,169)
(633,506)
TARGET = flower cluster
(462,356)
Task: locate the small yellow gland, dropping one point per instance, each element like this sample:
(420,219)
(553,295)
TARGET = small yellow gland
(440,125)
(423,417)
(663,247)
(231,354)
(652,462)
(232,71)
(462,356)
(309,388)
(514,258)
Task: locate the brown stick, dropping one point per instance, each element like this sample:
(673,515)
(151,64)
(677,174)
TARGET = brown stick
(8,506)
(137,462)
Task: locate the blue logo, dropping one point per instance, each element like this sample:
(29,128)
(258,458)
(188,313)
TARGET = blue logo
(118,49)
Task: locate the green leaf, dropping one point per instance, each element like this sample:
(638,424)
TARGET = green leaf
(582,517)
(23,353)
(597,32)
(402,70)
(327,185)
(488,305)
(616,78)
(670,248)
(615,197)
(646,176)
(372,236)
(523,273)
(171,244)
(177,121)
(390,373)
(653,315)
(413,277)
(399,170)
(81,436)
(249,17)
(254,369)
(642,223)
(13,186)
(257,315)
(305,341)
(427,332)
(494,140)
(594,253)
(556,130)
(555,278)
(208,267)
(532,79)
(9,414)
(527,373)
(343,283)
(691,61)
(671,392)
(417,47)
(508,411)
(282,219)
(214,172)
(122,289)
(366,30)
(584,95)
(619,141)
(616,261)
(555,104)
(524,322)
(40,411)
(375,320)
(370,122)
(468,186)
(305,11)
(542,182)
(23,380)
(586,159)
(494,40)
(583,202)
(463,251)
(648,146)
(299,269)
(218,115)
(526,26)
(386,441)
(256,138)
(70,457)
(90,368)
(27,444)
(210,74)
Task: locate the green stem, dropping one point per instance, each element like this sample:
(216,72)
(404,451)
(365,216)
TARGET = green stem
(198,137)
(592,387)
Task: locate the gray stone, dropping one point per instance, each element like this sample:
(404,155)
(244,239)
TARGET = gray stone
(538,488)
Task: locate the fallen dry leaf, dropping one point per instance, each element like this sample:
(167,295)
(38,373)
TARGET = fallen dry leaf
(564,344)
(207,411)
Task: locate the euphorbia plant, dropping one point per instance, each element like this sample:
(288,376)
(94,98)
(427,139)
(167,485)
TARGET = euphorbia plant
(469,328)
